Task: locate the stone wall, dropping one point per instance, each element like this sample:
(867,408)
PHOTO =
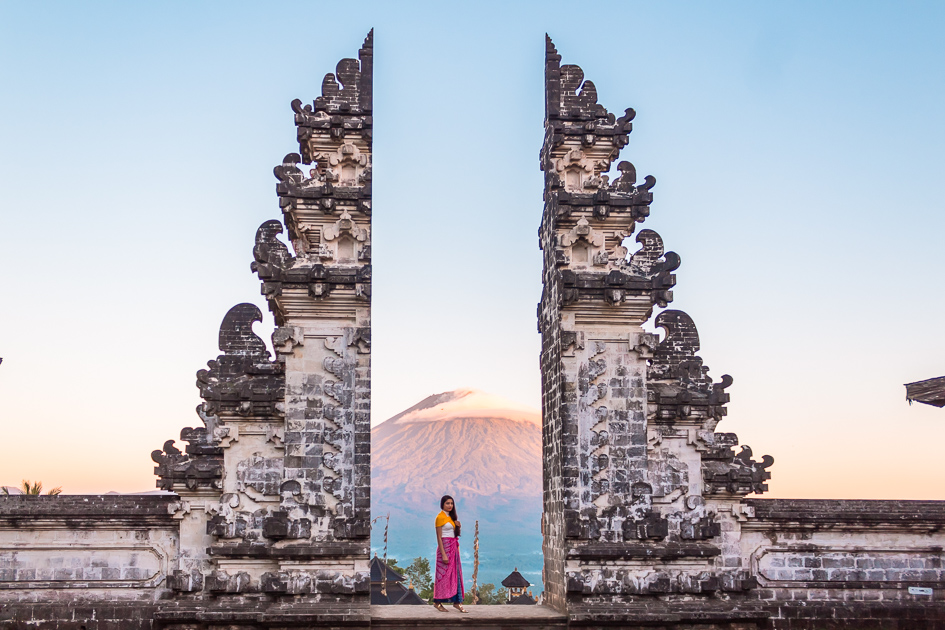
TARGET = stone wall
(78,558)
(869,563)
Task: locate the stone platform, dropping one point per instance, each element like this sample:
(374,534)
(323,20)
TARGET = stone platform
(479,618)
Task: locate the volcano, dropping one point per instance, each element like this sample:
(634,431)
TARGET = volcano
(483,450)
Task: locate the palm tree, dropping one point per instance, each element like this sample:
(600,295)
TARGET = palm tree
(35,488)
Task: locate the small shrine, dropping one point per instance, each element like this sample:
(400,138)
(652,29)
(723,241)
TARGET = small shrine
(516,584)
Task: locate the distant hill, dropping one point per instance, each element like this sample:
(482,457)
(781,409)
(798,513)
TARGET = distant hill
(483,450)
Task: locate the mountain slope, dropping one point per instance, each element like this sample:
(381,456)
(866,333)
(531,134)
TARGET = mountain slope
(481,449)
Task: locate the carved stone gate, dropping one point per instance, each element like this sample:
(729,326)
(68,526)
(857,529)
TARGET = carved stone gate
(646,521)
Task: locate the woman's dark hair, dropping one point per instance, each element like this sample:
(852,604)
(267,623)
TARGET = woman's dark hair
(452,513)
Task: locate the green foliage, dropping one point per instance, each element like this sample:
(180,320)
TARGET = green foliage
(419,573)
(392,564)
(35,488)
(488,594)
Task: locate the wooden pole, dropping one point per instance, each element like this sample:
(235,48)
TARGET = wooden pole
(384,578)
(384,563)
(475,588)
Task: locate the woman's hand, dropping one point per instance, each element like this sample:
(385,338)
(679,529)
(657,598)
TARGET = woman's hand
(446,558)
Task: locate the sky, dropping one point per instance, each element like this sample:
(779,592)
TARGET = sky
(798,149)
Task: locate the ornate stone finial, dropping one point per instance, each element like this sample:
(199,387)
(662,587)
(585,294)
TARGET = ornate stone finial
(201,466)
(573,113)
(586,217)
(345,106)
(681,391)
(242,380)
(236,332)
(270,254)
(327,212)
(680,387)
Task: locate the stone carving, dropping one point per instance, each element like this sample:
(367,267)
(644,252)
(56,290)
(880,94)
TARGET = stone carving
(578,97)
(271,255)
(582,231)
(340,91)
(242,379)
(323,303)
(201,465)
(627,180)
(739,475)
(322,582)
(650,260)
(244,399)
(223,582)
(345,225)
(286,338)
(325,190)
(288,173)
(344,108)
(262,475)
(344,167)
(577,171)
(185,581)
(682,391)
(279,526)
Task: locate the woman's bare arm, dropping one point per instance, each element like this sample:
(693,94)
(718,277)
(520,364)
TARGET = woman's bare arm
(439,543)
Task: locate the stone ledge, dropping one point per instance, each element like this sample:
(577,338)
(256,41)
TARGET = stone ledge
(87,510)
(661,612)
(318,550)
(264,614)
(846,512)
(631,551)
(479,617)
(863,612)
(73,616)
(706,615)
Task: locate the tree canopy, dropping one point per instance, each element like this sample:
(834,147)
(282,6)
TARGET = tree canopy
(35,488)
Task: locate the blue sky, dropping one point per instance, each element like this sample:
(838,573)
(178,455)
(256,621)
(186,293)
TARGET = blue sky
(798,149)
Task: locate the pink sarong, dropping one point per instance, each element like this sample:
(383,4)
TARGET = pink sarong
(449,574)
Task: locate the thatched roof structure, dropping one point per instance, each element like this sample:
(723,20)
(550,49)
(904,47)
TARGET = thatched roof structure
(930,392)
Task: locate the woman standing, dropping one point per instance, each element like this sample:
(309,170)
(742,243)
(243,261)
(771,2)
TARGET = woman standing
(448,585)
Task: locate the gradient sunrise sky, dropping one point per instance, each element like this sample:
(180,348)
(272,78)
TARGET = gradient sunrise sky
(799,149)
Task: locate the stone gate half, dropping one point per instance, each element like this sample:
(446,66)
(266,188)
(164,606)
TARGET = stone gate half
(645,512)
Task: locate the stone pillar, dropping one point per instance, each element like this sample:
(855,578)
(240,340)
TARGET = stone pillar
(633,509)
(321,300)
(274,490)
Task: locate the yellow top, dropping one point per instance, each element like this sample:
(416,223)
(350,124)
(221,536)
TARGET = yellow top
(442,519)
(446,525)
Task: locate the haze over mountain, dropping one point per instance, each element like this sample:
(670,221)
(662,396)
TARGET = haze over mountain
(483,450)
